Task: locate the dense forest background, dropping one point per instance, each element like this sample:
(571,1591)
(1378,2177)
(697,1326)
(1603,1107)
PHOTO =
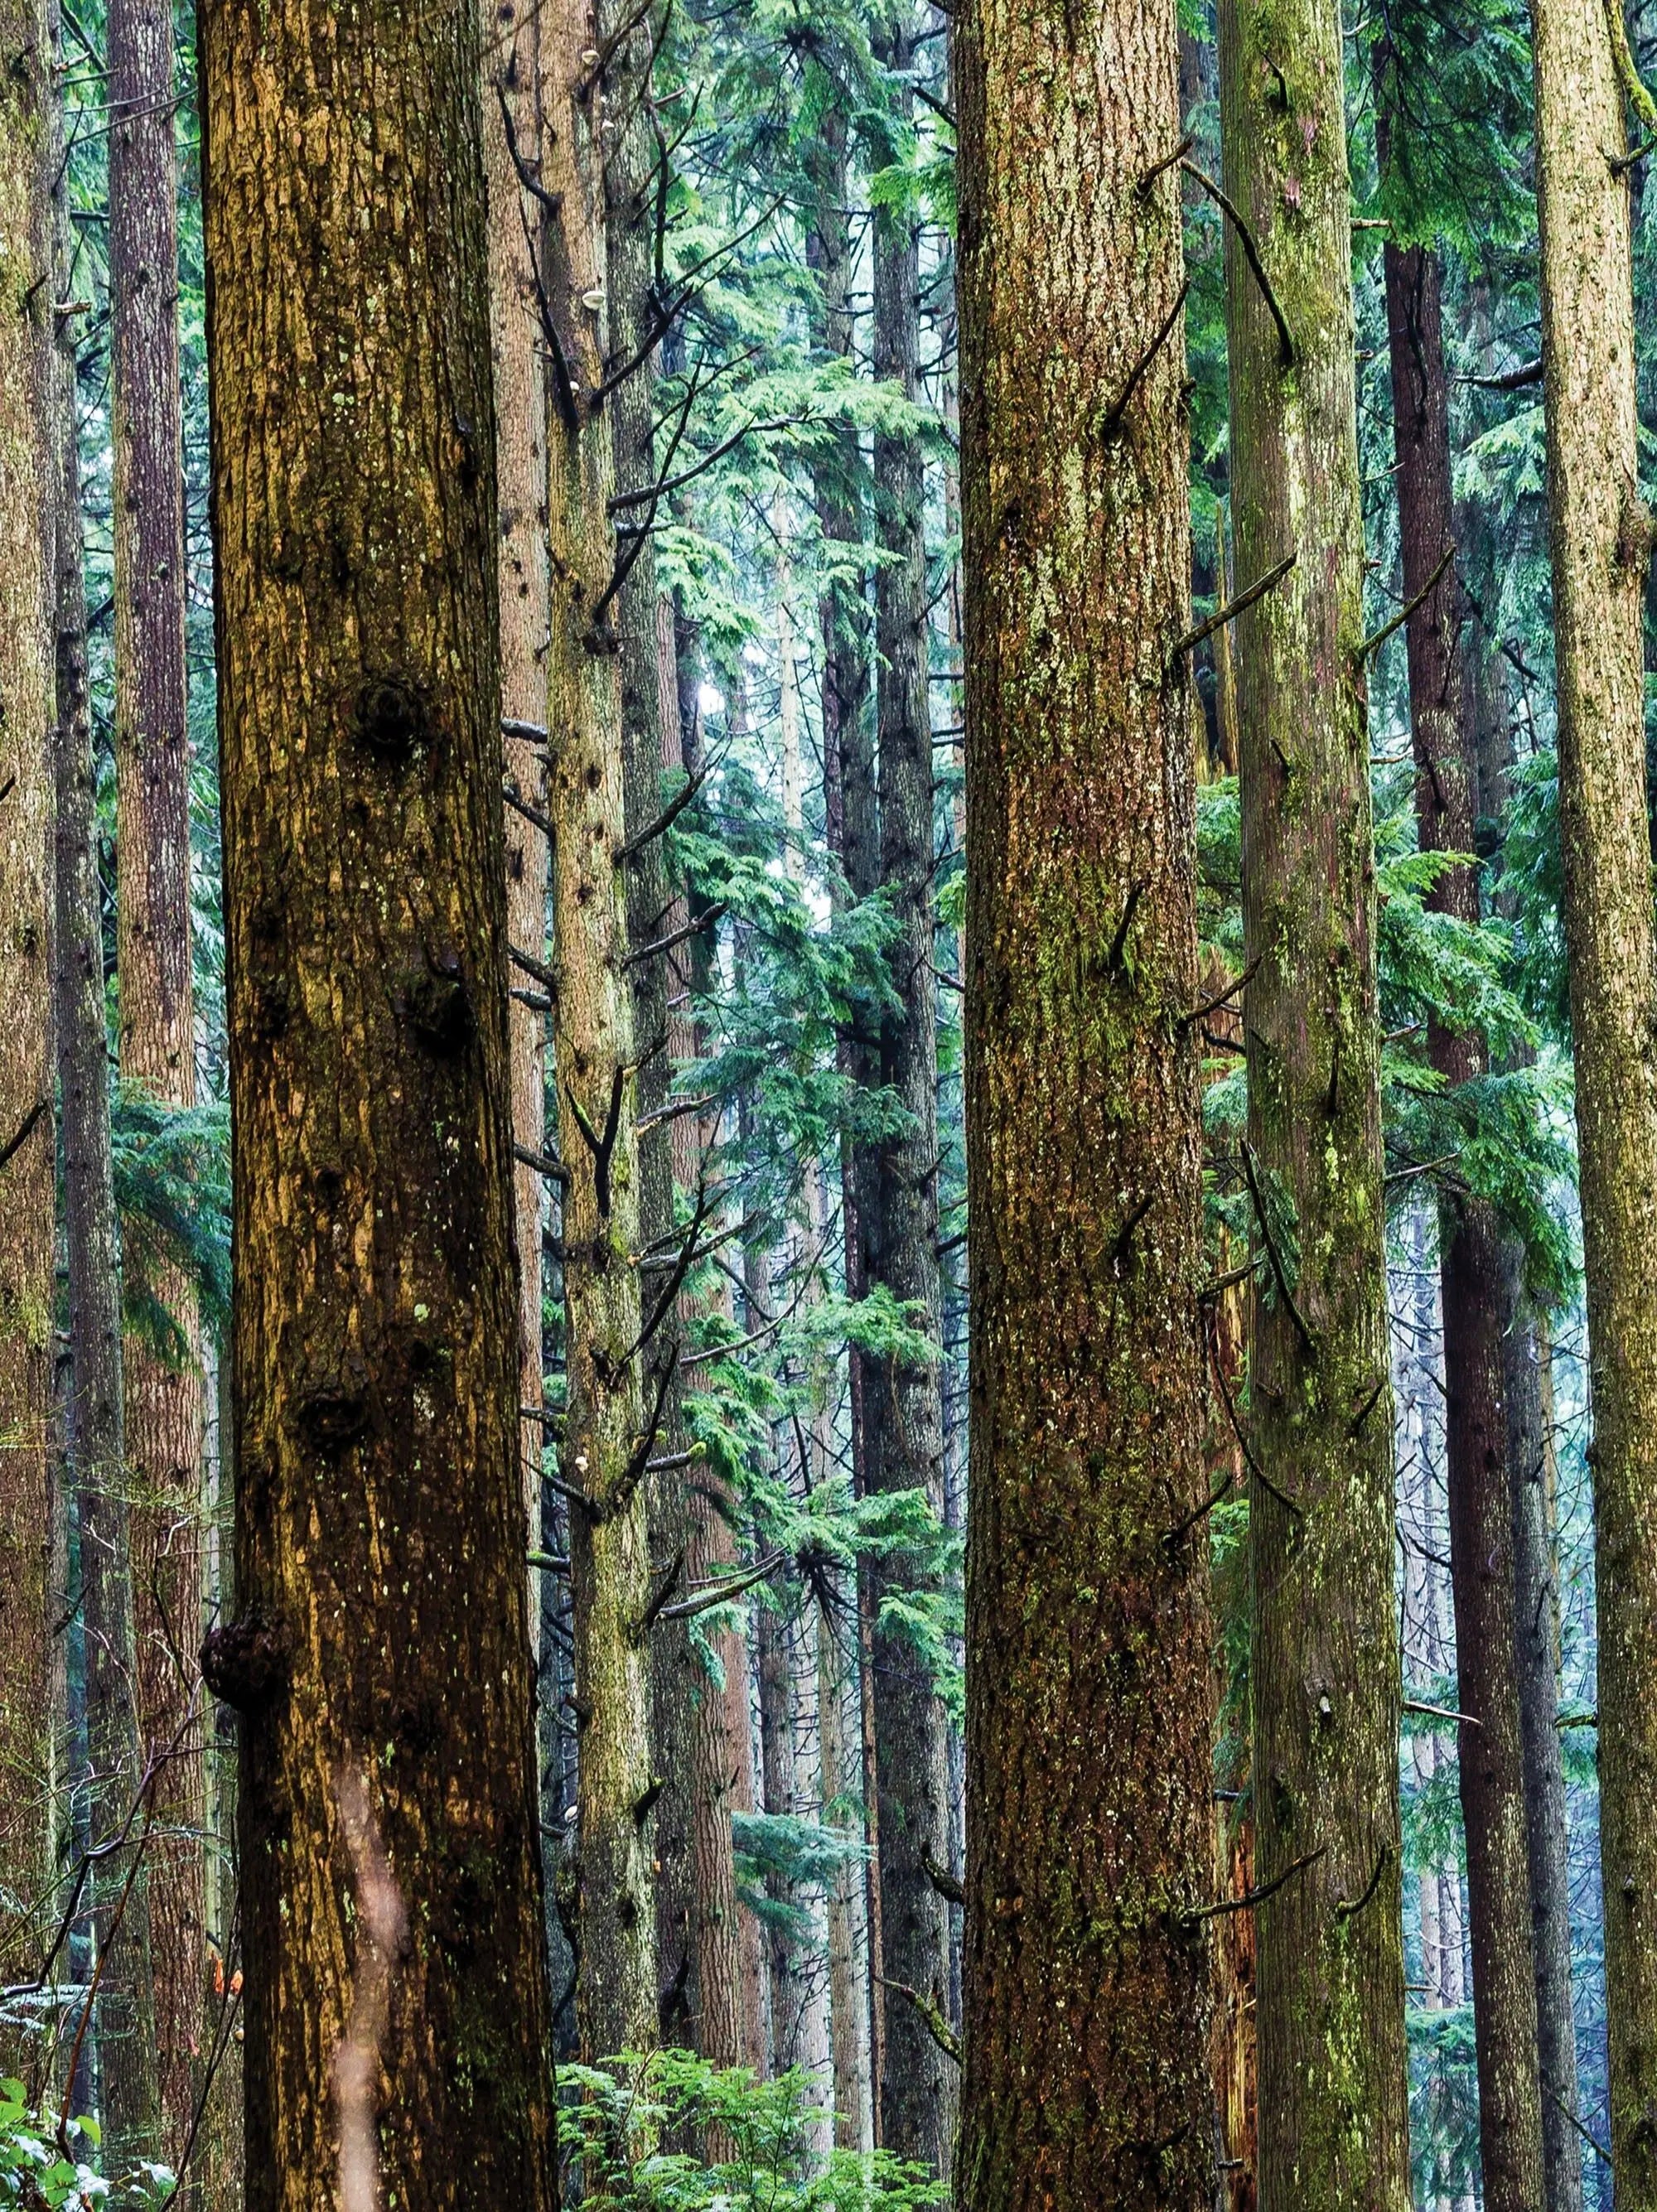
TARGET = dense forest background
(792,533)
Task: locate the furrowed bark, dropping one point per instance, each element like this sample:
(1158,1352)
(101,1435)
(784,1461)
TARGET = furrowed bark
(511,110)
(1601,533)
(1086,1985)
(614,1381)
(381,1660)
(1490,1743)
(904,1402)
(27,299)
(157,1042)
(1333,2123)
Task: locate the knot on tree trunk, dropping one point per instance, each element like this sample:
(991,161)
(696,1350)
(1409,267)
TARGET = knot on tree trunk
(245,1665)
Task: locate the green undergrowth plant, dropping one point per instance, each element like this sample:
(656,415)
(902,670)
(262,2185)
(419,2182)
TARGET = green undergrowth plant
(760,2141)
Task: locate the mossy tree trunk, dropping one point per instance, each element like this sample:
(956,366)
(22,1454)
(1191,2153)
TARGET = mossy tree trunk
(1602,534)
(25,1115)
(157,1041)
(1333,2120)
(617,1383)
(1490,1743)
(381,1658)
(1085,1979)
(903,1401)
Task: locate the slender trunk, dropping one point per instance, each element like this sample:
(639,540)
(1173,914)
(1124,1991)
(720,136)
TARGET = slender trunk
(1602,534)
(1086,1983)
(777,1781)
(125,2028)
(1526,1354)
(617,1385)
(904,1402)
(626,36)
(512,124)
(157,1042)
(850,817)
(848,2005)
(729,1961)
(1470,1246)
(1544,1776)
(1333,2119)
(389,1843)
(27,295)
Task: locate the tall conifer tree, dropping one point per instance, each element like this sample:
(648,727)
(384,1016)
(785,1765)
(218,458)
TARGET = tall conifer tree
(1085,1971)
(1324,1669)
(1601,533)
(396,2006)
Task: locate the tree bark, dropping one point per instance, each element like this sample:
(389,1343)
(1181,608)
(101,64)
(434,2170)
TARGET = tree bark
(26,1107)
(903,1403)
(1333,2119)
(1086,1978)
(1536,1585)
(157,1042)
(1491,1757)
(123,2031)
(613,1380)
(729,1966)
(849,2006)
(381,1659)
(1602,534)
(850,814)
(512,122)
(628,37)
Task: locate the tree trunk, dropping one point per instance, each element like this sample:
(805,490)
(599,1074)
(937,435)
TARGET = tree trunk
(25,1115)
(152,963)
(390,1843)
(1601,538)
(617,1386)
(1491,1766)
(852,838)
(510,103)
(122,2033)
(848,2005)
(730,1962)
(903,1404)
(1537,1591)
(626,37)
(1333,2120)
(777,1782)
(1086,1994)
(1526,1355)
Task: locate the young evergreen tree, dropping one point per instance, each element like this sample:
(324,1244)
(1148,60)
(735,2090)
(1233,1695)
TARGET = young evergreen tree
(1323,1667)
(395,2005)
(1085,1982)
(157,1041)
(26,1110)
(1602,534)
(618,1381)
(1491,1742)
